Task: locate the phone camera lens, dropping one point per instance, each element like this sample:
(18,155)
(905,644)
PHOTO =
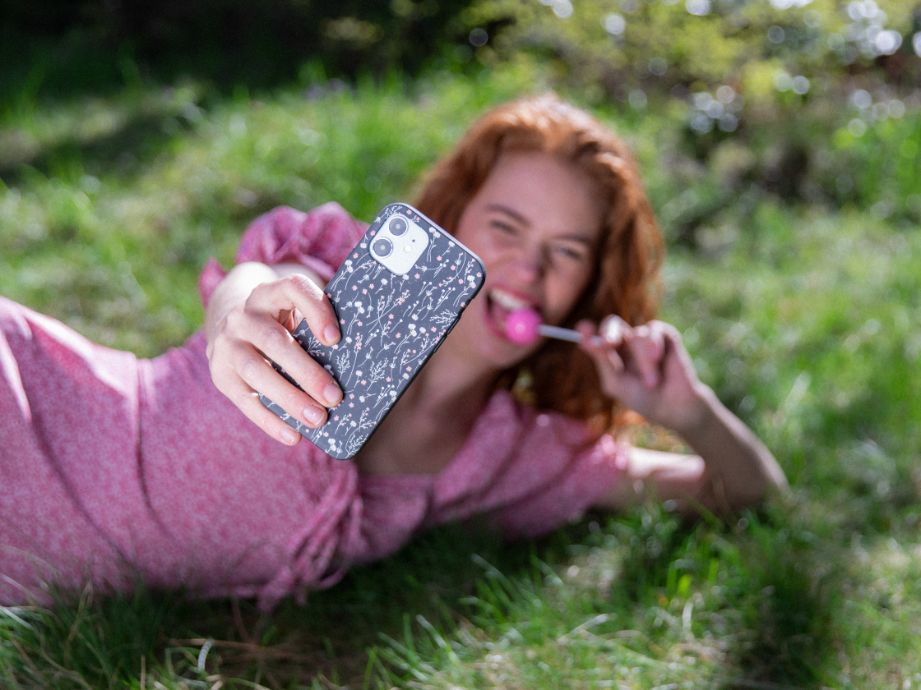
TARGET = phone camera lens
(382,246)
(397,226)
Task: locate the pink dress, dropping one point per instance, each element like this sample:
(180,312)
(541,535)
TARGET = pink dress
(114,467)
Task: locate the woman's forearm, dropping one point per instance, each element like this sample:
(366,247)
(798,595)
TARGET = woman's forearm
(740,470)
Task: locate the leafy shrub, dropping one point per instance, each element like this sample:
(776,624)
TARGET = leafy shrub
(803,100)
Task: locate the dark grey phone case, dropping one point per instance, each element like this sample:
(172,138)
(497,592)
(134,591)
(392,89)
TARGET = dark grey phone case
(390,324)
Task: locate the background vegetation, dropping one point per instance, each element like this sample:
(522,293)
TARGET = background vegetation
(781,144)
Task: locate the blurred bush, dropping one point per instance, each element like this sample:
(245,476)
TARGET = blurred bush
(229,41)
(807,100)
(815,101)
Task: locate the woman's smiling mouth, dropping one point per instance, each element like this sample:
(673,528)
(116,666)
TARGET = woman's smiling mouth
(500,303)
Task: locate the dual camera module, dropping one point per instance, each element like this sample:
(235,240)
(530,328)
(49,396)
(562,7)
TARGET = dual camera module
(382,246)
(399,244)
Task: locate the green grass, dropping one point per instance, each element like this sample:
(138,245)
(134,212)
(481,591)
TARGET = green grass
(804,319)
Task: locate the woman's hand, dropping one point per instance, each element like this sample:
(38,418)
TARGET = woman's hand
(248,322)
(648,370)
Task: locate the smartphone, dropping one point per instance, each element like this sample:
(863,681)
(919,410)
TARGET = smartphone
(397,296)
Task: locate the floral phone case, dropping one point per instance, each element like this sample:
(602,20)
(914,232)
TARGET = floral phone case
(394,309)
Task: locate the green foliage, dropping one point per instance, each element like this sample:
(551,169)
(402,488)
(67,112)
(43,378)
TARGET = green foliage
(618,45)
(759,86)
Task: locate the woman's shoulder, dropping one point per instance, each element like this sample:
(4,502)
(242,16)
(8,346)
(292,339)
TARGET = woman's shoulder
(285,231)
(319,239)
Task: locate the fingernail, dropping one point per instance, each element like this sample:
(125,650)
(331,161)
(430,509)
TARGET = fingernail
(331,335)
(313,415)
(289,436)
(332,395)
(613,330)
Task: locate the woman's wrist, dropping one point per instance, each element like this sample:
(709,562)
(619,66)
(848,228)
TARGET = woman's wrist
(734,456)
(698,414)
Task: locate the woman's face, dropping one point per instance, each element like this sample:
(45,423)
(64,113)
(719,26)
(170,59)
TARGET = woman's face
(535,223)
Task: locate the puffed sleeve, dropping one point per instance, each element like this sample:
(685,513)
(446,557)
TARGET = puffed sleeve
(319,239)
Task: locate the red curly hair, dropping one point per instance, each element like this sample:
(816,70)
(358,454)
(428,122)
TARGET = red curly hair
(625,275)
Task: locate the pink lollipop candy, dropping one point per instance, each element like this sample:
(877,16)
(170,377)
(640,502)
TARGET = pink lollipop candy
(522,326)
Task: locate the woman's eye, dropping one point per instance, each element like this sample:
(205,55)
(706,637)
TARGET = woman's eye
(503,227)
(570,253)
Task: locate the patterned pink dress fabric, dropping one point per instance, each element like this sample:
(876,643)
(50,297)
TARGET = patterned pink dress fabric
(114,468)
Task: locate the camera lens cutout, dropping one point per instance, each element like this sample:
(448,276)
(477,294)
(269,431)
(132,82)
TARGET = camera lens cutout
(397,226)
(382,246)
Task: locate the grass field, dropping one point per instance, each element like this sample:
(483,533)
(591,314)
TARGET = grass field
(804,318)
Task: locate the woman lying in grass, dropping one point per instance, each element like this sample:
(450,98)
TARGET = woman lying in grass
(115,468)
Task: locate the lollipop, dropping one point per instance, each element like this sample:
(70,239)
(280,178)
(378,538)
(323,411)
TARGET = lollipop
(523,327)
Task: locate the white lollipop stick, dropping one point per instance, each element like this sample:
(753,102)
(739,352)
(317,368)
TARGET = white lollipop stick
(524,327)
(559,333)
(574,336)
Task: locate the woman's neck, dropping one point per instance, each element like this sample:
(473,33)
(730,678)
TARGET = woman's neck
(431,421)
(449,383)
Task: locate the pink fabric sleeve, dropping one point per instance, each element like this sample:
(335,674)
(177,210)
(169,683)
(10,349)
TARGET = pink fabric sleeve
(319,239)
(589,476)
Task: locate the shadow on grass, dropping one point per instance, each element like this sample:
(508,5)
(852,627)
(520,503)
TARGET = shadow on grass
(432,579)
(772,593)
(792,618)
(124,151)
(800,573)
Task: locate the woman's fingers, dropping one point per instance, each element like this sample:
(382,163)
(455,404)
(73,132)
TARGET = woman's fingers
(676,346)
(262,325)
(611,334)
(624,353)
(646,345)
(306,405)
(614,329)
(602,345)
(300,293)
(256,333)
(274,342)
(247,401)
(646,368)
(678,363)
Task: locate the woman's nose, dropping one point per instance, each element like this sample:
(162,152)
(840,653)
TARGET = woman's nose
(529,264)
